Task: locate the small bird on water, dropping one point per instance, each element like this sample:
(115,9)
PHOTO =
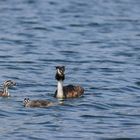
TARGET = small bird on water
(6,85)
(69,91)
(37,103)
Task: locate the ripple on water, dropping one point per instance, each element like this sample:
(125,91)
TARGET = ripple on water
(97,41)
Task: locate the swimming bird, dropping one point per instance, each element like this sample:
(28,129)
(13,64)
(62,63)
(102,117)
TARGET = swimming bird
(36,103)
(7,84)
(69,91)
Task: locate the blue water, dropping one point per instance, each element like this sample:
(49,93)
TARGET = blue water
(99,43)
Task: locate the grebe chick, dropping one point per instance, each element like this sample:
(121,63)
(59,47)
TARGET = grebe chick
(36,103)
(7,84)
(69,91)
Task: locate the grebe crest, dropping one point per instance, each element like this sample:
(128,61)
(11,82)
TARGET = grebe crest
(7,84)
(69,91)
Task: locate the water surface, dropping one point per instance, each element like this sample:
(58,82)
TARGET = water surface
(97,41)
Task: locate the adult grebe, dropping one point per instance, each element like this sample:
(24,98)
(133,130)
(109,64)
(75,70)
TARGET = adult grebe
(7,84)
(36,103)
(69,91)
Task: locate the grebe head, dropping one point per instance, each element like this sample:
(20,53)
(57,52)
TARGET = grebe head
(60,73)
(26,100)
(9,83)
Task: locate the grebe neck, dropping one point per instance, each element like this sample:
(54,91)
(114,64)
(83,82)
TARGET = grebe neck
(5,91)
(60,93)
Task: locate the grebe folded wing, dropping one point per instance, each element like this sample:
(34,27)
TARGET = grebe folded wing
(71,91)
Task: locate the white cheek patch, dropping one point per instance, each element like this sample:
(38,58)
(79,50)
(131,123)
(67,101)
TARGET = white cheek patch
(58,71)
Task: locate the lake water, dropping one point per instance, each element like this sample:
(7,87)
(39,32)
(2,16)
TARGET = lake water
(97,41)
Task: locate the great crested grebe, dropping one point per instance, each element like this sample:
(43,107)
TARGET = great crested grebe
(7,84)
(69,91)
(36,103)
